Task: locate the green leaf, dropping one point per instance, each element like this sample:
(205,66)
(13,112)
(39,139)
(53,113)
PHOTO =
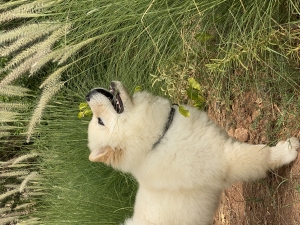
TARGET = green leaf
(193,94)
(137,89)
(88,112)
(201,100)
(83,105)
(194,84)
(200,105)
(84,110)
(80,115)
(184,111)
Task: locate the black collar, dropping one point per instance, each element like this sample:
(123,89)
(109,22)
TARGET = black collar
(166,128)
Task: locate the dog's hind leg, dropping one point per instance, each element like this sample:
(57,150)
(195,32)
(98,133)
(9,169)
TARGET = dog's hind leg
(248,162)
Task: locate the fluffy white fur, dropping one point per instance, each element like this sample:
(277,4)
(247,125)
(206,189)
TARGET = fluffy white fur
(181,180)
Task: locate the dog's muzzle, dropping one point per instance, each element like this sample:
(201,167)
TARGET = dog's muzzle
(113,95)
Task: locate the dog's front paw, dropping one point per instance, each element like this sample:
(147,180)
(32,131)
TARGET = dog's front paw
(287,150)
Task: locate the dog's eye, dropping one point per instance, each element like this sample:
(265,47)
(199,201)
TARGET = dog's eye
(100,121)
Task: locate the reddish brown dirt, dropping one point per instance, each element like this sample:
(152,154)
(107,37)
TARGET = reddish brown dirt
(274,200)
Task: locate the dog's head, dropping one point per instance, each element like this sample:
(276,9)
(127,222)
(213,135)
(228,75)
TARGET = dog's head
(104,133)
(124,129)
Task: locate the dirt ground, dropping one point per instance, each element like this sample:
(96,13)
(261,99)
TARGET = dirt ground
(274,200)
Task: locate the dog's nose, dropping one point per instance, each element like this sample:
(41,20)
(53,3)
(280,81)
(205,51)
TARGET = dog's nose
(87,98)
(94,91)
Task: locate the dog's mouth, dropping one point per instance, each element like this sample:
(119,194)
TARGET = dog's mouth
(112,94)
(116,100)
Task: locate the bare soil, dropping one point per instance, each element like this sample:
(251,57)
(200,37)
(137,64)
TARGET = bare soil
(274,200)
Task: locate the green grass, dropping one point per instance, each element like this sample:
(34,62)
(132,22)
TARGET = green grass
(78,191)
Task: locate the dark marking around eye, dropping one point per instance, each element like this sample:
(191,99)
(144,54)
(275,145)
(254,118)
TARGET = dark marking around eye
(100,121)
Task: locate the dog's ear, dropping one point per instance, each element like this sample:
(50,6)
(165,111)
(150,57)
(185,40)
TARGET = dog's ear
(107,155)
(96,155)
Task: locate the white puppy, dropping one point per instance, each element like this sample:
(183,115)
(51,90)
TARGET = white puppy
(182,164)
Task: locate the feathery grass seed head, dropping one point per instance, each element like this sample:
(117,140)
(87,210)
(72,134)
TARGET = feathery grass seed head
(36,31)
(10,105)
(11,90)
(19,70)
(31,176)
(25,10)
(6,116)
(14,173)
(36,66)
(28,30)
(49,91)
(11,4)
(24,157)
(54,77)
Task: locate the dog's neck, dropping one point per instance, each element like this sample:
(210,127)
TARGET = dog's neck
(166,127)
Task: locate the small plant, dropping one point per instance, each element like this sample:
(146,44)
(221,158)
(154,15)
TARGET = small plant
(178,83)
(84,110)
(194,93)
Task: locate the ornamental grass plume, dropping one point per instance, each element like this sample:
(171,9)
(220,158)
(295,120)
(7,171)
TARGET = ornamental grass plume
(49,90)
(26,59)
(25,10)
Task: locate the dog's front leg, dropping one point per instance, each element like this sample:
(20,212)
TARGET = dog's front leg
(248,162)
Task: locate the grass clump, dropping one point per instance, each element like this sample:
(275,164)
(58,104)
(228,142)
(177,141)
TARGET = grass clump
(18,186)
(78,191)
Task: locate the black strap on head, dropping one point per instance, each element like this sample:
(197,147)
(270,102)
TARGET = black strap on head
(166,128)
